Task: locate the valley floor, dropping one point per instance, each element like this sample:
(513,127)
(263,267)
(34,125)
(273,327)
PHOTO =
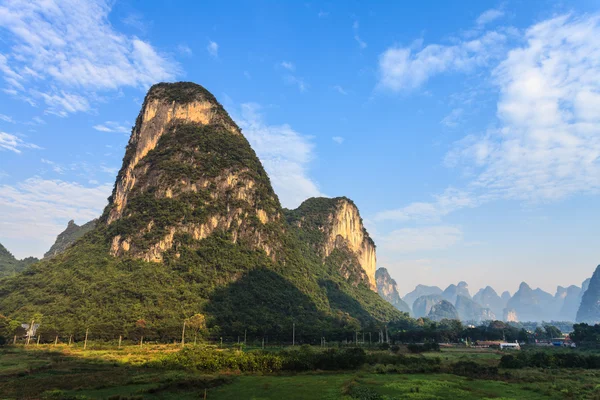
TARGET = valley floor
(48,372)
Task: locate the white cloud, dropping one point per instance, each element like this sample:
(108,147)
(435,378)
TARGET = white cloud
(14,143)
(410,240)
(184,49)
(109,170)
(402,68)
(361,43)
(112,126)
(449,201)
(213,49)
(323,14)
(338,139)
(488,16)
(287,65)
(55,167)
(296,81)
(6,118)
(453,119)
(548,143)
(340,90)
(63,51)
(285,154)
(34,211)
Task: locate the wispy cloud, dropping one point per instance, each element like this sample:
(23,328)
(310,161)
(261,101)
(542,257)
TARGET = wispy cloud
(184,49)
(14,143)
(112,126)
(453,119)
(411,240)
(296,81)
(36,210)
(361,43)
(340,90)
(488,16)
(61,52)
(323,14)
(404,69)
(213,49)
(288,65)
(6,118)
(285,153)
(338,139)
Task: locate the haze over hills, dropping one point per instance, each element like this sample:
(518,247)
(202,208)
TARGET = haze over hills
(527,304)
(194,226)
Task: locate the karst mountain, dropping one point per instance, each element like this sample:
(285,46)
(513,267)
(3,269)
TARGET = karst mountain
(193,225)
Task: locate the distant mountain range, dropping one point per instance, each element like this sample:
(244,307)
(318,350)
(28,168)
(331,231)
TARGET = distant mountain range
(573,303)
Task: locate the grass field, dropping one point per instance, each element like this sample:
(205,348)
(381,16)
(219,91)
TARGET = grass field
(48,372)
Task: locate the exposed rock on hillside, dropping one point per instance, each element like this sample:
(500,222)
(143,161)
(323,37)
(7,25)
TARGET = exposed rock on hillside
(387,289)
(589,310)
(421,290)
(69,236)
(567,302)
(335,224)
(194,226)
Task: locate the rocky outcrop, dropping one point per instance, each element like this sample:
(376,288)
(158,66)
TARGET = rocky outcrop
(67,237)
(335,224)
(488,298)
(452,291)
(176,183)
(443,310)
(387,289)
(589,310)
(421,290)
(423,305)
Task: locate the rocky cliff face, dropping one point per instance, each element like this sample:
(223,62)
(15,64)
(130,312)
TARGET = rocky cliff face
(188,172)
(67,237)
(421,290)
(387,289)
(589,310)
(567,302)
(335,224)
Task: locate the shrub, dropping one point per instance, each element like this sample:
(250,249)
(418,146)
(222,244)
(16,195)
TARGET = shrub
(421,348)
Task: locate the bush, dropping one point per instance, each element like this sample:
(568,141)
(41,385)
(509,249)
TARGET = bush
(421,348)
(543,359)
(473,369)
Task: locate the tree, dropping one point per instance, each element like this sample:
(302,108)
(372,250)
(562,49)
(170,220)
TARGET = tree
(197,323)
(552,332)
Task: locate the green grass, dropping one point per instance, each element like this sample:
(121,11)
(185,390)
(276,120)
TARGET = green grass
(48,372)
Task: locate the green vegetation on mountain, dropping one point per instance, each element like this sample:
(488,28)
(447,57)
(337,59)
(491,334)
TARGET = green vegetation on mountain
(10,266)
(200,206)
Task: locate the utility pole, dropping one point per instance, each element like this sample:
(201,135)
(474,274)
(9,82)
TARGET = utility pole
(86,336)
(29,332)
(183,335)
(120,338)
(293,334)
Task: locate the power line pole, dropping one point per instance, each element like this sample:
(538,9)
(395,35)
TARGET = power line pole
(183,335)
(86,336)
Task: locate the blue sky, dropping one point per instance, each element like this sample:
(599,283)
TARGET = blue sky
(467,133)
